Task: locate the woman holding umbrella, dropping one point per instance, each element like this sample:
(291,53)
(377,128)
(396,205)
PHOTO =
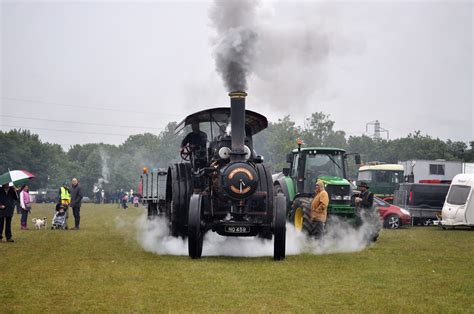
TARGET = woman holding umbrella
(7,201)
(8,196)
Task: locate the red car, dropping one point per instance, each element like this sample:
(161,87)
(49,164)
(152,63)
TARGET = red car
(393,216)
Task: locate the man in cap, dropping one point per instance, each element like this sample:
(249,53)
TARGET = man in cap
(366,198)
(319,209)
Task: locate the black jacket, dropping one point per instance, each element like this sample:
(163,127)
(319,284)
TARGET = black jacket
(367,199)
(76,195)
(8,200)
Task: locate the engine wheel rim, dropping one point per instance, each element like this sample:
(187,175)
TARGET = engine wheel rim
(394,222)
(298,220)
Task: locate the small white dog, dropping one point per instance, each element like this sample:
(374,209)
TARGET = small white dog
(39,223)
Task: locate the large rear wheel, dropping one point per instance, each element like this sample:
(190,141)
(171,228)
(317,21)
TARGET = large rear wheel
(279,228)
(178,192)
(195,234)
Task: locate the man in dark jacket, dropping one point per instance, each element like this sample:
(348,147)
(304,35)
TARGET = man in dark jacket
(369,214)
(366,198)
(76,198)
(8,197)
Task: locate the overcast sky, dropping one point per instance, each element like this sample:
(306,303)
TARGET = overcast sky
(134,66)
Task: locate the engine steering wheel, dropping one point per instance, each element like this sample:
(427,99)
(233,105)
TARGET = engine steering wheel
(186,152)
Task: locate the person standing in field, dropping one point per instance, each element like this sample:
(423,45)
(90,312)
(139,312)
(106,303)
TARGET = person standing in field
(64,195)
(17,203)
(8,197)
(366,198)
(25,205)
(319,209)
(76,199)
(125,200)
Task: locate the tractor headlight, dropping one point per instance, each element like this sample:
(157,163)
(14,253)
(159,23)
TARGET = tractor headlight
(224,152)
(346,197)
(336,197)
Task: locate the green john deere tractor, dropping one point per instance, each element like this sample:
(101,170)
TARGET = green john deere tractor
(297,183)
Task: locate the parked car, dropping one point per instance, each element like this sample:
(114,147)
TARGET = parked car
(46,196)
(393,216)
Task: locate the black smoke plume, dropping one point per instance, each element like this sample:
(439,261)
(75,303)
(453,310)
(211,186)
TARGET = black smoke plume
(235,42)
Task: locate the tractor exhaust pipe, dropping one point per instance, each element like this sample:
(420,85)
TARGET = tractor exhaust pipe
(237,114)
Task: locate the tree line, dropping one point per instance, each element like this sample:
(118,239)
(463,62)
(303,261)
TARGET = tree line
(115,167)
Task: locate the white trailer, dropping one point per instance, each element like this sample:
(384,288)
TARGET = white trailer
(458,209)
(432,170)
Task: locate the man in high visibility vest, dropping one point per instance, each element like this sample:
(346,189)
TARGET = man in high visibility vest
(64,195)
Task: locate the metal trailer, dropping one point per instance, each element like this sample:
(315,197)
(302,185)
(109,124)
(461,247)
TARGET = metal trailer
(153,190)
(424,201)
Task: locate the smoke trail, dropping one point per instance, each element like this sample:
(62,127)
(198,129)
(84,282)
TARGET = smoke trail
(104,157)
(235,42)
(282,51)
(153,236)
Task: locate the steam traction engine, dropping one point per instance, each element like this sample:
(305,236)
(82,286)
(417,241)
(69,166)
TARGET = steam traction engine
(224,187)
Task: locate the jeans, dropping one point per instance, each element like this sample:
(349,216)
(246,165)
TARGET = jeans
(7,221)
(319,229)
(24,216)
(76,211)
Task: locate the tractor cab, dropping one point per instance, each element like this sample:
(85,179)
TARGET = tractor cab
(310,164)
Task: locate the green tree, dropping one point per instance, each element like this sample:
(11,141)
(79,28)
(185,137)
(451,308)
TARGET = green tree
(276,141)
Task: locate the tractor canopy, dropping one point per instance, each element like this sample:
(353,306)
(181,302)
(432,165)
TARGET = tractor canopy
(254,122)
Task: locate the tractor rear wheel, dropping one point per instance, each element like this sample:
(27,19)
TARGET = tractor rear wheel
(279,228)
(301,216)
(195,234)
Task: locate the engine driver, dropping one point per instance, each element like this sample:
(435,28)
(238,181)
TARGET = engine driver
(194,141)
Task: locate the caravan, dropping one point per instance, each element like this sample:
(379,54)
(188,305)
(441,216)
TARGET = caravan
(458,209)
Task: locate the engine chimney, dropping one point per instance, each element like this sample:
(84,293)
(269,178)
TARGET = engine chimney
(237,113)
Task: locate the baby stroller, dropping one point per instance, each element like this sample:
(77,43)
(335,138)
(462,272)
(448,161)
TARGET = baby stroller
(60,217)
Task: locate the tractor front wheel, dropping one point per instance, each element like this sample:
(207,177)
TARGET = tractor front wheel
(301,216)
(195,234)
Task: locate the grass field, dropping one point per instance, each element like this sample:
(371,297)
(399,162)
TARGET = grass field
(103,268)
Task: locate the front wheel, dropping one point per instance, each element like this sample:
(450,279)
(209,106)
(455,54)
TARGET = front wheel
(392,222)
(301,216)
(195,234)
(279,228)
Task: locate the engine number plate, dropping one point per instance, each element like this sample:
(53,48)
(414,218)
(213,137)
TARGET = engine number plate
(237,229)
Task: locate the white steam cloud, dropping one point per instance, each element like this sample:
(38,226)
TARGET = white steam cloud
(105,171)
(153,236)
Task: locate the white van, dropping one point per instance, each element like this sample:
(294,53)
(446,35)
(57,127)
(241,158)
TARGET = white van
(458,209)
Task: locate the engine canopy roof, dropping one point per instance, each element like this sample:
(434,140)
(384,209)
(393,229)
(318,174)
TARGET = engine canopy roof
(254,122)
